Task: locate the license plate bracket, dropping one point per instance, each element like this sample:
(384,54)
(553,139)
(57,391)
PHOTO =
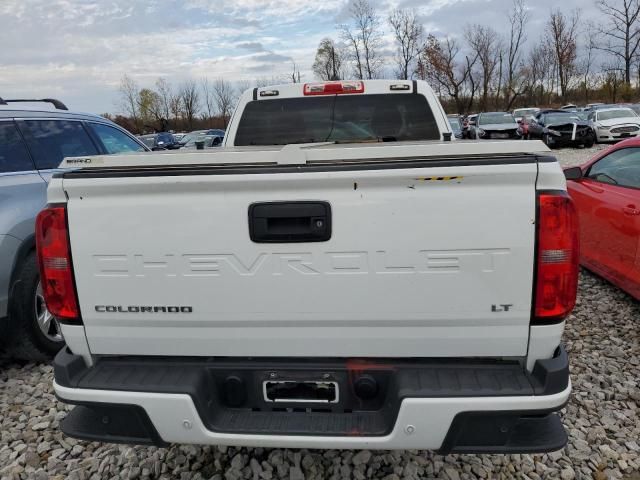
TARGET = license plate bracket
(300,391)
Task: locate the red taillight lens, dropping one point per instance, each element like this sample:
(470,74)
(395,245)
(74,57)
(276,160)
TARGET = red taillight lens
(557,258)
(333,88)
(54,259)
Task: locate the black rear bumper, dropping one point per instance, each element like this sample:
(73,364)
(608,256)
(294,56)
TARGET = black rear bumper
(228,396)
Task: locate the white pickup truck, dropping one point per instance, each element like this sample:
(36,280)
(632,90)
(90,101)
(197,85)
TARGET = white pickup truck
(340,275)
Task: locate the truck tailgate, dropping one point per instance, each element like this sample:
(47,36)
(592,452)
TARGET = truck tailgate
(433,261)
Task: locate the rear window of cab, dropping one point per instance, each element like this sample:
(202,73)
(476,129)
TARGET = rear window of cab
(337,118)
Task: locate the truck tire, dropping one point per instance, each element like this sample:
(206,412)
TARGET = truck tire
(35,335)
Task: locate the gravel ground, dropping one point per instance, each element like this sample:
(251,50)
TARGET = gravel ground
(602,418)
(569,157)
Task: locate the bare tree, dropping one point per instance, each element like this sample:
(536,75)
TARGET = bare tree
(189,101)
(485,45)
(586,62)
(225,97)
(164,90)
(408,33)
(328,62)
(620,33)
(242,86)
(175,105)
(613,79)
(540,68)
(438,64)
(208,97)
(518,19)
(364,37)
(562,34)
(471,83)
(129,98)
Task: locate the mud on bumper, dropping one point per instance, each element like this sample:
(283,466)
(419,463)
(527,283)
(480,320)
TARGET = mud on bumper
(451,406)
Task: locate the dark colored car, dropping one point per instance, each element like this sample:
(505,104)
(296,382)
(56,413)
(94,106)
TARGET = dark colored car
(561,128)
(160,141)
(456,125)
(495,125)
(606,193)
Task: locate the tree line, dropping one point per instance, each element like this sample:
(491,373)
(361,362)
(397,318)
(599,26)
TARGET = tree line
(477,68)
(473,69)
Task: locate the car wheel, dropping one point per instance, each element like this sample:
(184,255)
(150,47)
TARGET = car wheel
(35,333)
(546,139)
(590,141)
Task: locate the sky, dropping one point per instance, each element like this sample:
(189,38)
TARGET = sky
(78,50)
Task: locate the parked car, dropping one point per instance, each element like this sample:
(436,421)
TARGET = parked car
(468,124)
(495,125)
(178,136)
(635,107)
(614,123)
(456,125)
(33,142)
(160,141)
(208,141)
(606,193)
(520,113)
(561,128)
(287,295)
(199,133)
(523,126)
(571,107)
(190,139)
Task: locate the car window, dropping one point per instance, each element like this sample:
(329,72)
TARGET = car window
(617,113)
(148,140)
(165,137)
(621,168)
(114,140)
(14,156)
(50,141)
(495,118)
(342,118)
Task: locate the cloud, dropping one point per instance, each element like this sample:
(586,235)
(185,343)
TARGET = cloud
(251,46)
(79,49)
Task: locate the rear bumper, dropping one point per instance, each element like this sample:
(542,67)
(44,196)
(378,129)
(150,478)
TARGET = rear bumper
(446,407)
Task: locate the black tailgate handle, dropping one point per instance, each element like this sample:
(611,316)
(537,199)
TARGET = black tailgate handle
(290,222)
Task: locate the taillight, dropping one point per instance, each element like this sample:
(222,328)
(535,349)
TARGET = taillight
(333,88)
(556,257)
(54,260)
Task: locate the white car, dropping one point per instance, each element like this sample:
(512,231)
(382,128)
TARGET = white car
(615,123)
(339,275)
(520,113)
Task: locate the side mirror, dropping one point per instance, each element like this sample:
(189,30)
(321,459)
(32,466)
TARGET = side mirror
(573,173)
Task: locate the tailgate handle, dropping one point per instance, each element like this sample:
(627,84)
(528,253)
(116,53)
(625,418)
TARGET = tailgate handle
(290,222)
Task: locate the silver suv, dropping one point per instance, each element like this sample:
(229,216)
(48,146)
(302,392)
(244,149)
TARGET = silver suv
(33,142)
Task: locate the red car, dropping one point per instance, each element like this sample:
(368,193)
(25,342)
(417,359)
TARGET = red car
(606,193)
